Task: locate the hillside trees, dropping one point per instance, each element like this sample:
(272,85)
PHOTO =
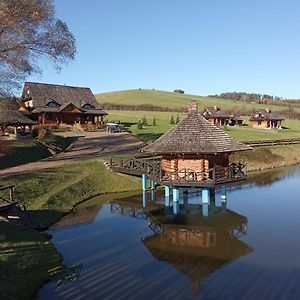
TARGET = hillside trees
(29,30)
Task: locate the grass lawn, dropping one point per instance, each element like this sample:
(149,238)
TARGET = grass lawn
(49,194)
(151,133)
(25,258)
(175,100)
(14,153)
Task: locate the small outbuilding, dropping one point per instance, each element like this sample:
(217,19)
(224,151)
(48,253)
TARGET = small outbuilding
(13,122)
(265,118)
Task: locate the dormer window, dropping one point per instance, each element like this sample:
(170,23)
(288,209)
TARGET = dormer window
(88,106)
(52,103)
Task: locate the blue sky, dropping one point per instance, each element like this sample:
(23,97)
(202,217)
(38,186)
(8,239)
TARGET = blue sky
(202,47)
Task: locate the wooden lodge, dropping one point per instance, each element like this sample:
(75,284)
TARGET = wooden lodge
(13,124)
(192,153)
(53,103)
(265,118)
(216,116)
(219,117)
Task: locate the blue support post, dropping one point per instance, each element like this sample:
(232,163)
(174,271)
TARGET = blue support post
(175,200)
(223,198)
(167,191)
(144,182)
(153,194)
(144,198)
(205,201)
(223,193)
(152,183)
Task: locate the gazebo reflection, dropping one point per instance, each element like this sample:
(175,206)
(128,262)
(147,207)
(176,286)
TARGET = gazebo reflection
(195,243)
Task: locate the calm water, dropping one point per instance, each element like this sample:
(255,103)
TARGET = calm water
(248,248)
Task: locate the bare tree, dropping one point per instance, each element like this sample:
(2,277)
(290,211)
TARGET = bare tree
(29,30)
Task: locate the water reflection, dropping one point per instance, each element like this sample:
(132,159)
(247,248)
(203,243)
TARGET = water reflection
(136,247)
(195,239)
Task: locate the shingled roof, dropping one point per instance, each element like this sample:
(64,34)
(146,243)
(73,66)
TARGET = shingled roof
(214,112)
(10,116)
(194,135)
(265,114)
(43,93)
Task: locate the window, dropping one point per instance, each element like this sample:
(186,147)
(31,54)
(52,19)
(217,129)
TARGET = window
(52,103)
(88,106)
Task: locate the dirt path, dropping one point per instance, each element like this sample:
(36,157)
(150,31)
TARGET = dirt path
(90,145)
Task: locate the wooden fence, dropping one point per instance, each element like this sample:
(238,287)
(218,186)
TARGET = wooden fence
(264,143)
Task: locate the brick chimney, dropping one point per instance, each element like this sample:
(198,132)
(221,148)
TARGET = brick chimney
(193,107)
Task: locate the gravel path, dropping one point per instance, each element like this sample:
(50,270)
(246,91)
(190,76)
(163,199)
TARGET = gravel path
(90,145)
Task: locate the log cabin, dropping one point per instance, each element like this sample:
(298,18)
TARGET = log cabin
(53,103)
(265,118)
(216,116)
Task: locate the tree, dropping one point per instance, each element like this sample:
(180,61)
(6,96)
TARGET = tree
(144,121)
(179,91)
(29,30)
(172,122)
(154,122)
(177,119)
(140,124)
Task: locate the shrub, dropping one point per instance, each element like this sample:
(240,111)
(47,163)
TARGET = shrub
(154,122)
(140,124)
(172,122)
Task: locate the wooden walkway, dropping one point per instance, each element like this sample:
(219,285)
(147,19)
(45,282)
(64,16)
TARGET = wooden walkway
(264,143)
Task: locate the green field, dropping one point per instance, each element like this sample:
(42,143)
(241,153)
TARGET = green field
(150,133)
(175,100)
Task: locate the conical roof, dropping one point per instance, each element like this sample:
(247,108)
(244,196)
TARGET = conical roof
(195,135)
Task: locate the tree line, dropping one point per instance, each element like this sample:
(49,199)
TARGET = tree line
(257,98)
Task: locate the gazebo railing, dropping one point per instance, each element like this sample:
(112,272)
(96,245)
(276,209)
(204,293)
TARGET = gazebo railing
(153,169)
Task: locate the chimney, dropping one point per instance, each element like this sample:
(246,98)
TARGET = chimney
(193,107)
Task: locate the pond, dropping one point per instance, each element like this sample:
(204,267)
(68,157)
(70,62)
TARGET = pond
(128,246)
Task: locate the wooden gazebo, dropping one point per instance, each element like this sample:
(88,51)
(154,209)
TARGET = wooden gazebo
(192,153)
(11,117)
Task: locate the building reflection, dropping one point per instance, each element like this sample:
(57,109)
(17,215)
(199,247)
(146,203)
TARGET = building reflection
(194,242)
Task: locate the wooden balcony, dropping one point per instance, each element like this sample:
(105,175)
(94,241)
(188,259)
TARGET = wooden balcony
(182,177)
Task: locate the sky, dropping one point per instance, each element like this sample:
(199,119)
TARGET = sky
(202,47)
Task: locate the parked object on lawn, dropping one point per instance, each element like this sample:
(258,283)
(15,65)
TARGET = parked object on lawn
(114,127)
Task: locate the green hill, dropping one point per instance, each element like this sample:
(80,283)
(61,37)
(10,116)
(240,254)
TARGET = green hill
(175,100)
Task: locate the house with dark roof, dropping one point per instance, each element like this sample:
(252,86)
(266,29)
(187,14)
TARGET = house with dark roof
(53,103)
(10,117)
(216,116)
(265,118)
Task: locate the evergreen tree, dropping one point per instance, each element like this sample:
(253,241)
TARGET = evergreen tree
(172,122)
(154,122)
(140,124)
(177,119)
(144,121)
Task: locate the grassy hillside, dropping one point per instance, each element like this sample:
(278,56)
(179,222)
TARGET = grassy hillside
(150,133)
(175,100)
